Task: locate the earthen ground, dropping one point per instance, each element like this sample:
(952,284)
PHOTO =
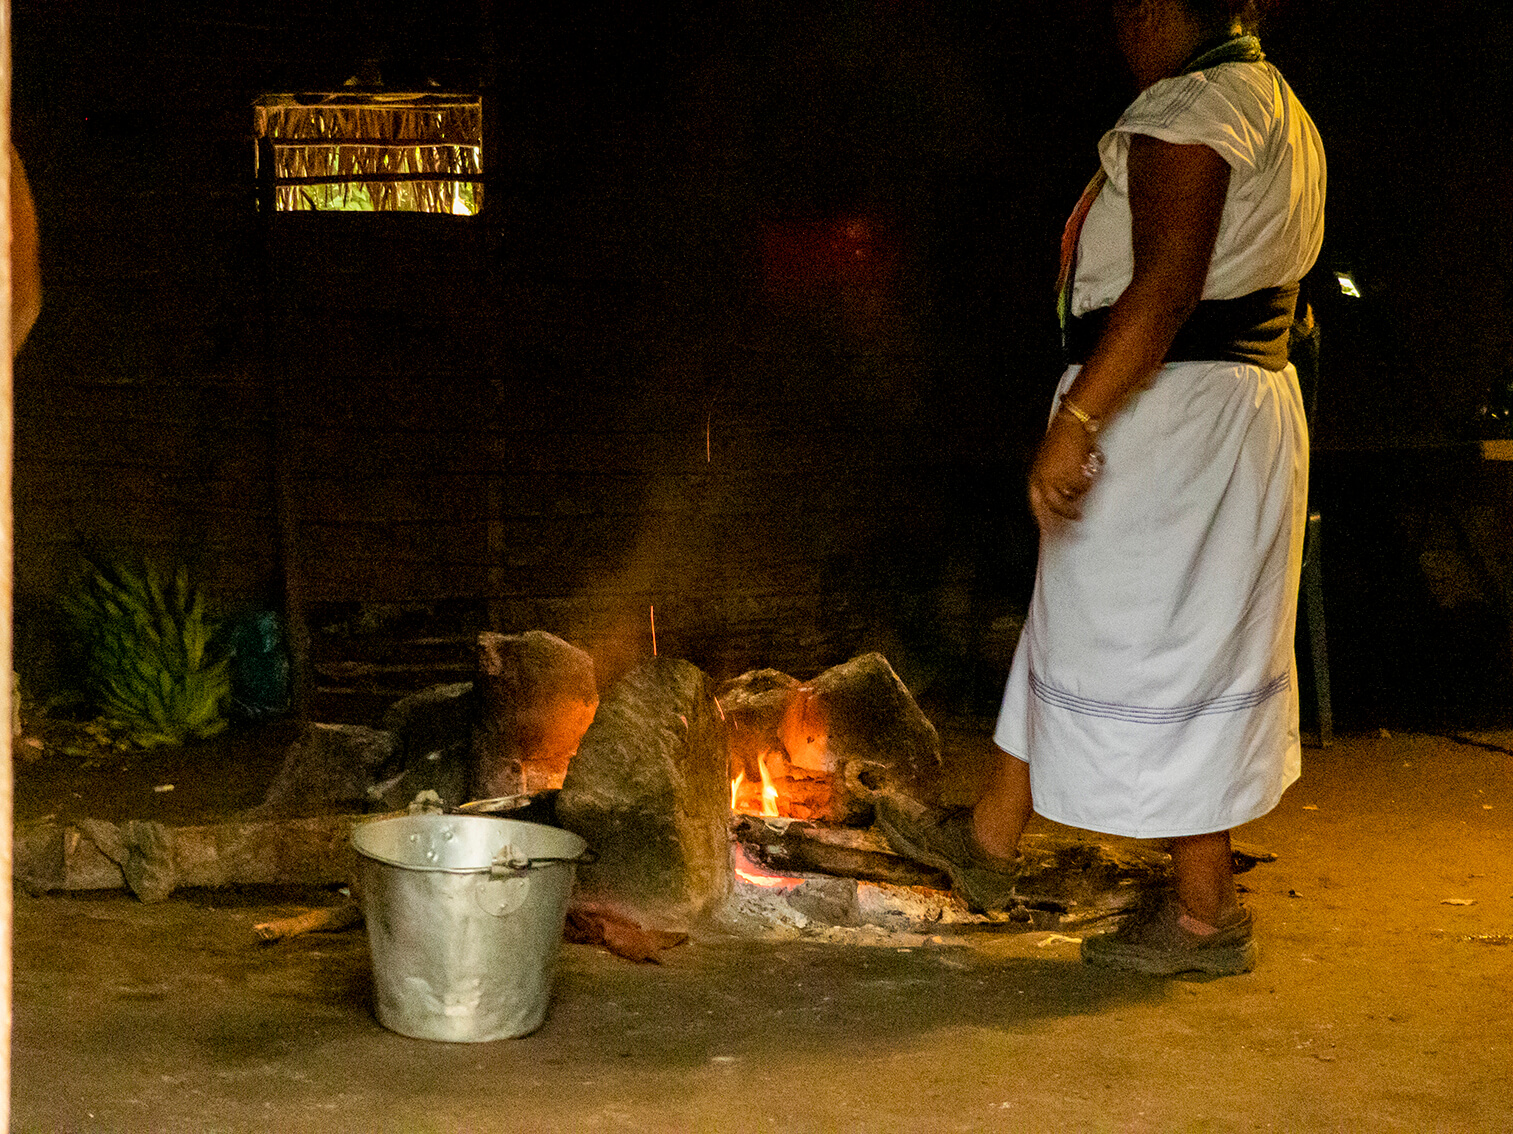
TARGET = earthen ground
(1376,1006)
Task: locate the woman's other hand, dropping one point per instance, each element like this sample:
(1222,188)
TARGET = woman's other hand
(1059,478)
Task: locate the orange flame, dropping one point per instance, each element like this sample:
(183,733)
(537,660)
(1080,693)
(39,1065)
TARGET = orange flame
(769,794)
(769,789)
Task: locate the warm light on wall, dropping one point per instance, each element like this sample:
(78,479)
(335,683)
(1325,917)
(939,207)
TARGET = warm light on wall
(808,257)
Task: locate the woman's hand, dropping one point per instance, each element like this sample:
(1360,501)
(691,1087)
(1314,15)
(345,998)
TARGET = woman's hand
(1059,477)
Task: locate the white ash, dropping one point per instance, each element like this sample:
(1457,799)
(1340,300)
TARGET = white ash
(880,911)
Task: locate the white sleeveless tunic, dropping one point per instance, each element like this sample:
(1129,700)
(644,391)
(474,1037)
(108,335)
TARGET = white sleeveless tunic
(1154,691)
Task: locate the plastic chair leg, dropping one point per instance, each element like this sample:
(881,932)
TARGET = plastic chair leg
(1313,610)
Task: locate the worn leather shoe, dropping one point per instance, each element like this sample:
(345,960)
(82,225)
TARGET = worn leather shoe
(1153,940)
(945,841)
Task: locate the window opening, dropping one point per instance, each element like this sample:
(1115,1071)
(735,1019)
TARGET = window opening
(372,152)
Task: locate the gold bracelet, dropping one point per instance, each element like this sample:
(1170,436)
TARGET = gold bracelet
(1084,419)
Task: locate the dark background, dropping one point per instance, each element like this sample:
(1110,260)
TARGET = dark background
(754,328)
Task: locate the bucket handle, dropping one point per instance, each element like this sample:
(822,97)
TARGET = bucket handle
(509,862)
(500,803)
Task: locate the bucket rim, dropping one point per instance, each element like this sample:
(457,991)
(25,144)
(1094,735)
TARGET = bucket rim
(420,869)
(544,861)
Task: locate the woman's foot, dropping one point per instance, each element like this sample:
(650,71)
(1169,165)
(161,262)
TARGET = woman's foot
(945,840)
(1163,940)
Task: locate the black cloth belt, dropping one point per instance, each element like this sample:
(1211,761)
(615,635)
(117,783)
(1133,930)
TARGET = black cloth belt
(1251,329)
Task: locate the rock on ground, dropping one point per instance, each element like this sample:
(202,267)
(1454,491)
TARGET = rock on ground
(330,767)
(648,790)
(537,696)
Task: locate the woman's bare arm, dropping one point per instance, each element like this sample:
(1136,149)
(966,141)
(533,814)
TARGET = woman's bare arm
(1176,199)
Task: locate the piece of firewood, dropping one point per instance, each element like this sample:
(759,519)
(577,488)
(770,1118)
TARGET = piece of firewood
(841,851)
(1059,870)
(1247,856)
(589,924)
(327,919)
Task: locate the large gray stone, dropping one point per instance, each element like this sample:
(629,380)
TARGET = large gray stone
(445,771)
(754,705)
(648,790)
(142,849)
(537,695)
(151,859)
(858,722)
(433,733)
(431,720)
(330,767)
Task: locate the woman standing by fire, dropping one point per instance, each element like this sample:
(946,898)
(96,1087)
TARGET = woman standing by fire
(1153,693)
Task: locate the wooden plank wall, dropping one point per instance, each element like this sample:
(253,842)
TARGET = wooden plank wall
(140,415)
(449,447)
(585,403)
(620,387)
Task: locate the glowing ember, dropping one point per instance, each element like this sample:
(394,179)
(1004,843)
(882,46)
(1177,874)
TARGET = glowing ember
(755,875)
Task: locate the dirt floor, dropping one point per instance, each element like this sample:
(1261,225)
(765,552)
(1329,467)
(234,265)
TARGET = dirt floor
(1383,1000)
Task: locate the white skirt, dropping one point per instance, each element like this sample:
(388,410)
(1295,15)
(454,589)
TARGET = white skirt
(1154,689)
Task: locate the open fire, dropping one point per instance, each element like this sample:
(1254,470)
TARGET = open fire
(675,772)
(762,798)
(824,749)
(778,789)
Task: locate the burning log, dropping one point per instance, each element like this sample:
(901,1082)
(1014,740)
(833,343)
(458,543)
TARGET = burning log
(845,852)
(1063,872)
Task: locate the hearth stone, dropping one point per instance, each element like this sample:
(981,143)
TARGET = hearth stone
(754,705)
(647,789)
(330,766)
(858,722)
(431,720)
(828,901)
(537,695)
(433,732)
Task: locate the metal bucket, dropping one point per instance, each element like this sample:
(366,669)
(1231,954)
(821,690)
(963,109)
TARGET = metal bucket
(465,914)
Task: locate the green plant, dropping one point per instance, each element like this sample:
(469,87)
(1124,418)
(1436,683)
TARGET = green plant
(150,657)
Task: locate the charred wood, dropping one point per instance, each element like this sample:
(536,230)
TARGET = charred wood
(1062,872)
(841,851)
